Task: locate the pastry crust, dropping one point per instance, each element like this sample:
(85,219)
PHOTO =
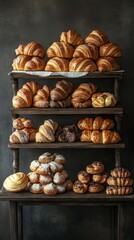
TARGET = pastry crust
(110,50)
(97,37)
(50,189)
(114,190)
(30,49)
(83,177)
(79,187)
(105,64)
(46,157)
(95,124)
(120,182)
(100,178)
(86,51)
(36,188)
(82,65)
(71,37)
(120,172)
(95,187)
(61,50)
(16,182)
(57,64)
(104,99)
(95,168)
(20,123)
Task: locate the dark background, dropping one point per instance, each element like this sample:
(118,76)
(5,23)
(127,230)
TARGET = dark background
(43,21)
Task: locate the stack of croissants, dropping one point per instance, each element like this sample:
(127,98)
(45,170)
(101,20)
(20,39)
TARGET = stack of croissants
(63,95)
(96,130)
(72,53)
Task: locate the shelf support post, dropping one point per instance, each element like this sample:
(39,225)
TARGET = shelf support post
(15,160)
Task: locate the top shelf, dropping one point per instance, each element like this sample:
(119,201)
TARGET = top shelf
(54,75)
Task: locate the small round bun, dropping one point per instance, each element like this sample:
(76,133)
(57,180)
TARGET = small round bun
(95,187)
(33,177)
(34,165)
(55,167)
(50,189)
(45,179)
(95,168)
(83,177)
(61,188)
(43,169)
(69,185)
(100,178)
(36,188)
(58,178)
(59,158)
(79,187)
(46,158)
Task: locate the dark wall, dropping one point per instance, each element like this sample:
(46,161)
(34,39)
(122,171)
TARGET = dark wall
(43,21)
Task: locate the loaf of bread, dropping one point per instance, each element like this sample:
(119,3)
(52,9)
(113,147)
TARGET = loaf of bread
(30,49)
(61,50)
(104,99)
(110,50)
(105,64)
(95,124)
(86,51)
(71,37)
(82,65)
(97,37)
(57,64)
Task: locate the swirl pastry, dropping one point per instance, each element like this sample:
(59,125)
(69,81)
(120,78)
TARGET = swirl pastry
(16,182)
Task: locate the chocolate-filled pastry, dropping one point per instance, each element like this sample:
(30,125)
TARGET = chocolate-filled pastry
(83,177)
(61,91)
(120,182)
(95,187)
(97,37)
(69,133)
(71,37)
(114,190)
(95,168)
(110,50)
(61,104)
(79,187)
(120,172)
(100,178)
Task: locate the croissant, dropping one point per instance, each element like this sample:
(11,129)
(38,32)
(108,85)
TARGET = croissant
(60,49)
(31,132)
(120,172)
(110,50)
(114,190)
(61,104)
(104,136)
(107,64)
(20,123)
(32,87)
(16,182)
(47,131)
(22,99)
(61,91)
(41,100)
(82,65)
(18,136)
(86,51)
(120,182)
(97,38)
(20,62)
(105,99)
(30,49)
(71,37)
(83,94)
(97,124)
(57,64)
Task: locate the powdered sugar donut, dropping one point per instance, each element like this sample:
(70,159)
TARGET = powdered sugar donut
(33,177)
(36,188)
(58,178)
(59,158)
(45,179)
(43,169)
(50,189)
(46,158)
(34,165)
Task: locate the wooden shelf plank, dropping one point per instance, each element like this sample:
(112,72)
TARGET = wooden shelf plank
(65,111)
(66,145)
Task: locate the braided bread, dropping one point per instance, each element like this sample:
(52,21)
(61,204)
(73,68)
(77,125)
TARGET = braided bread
(105,99)
(60,49)
(20,123)
(97,124)
(41,99)
(110,50)
(61,91)
(61,104)
(120,182)
(107,64)
(71,37)
(120,173)
(30,49)
(97,38)
(57,64)
(82,65)
(114,190)
(86,51)
(16,182)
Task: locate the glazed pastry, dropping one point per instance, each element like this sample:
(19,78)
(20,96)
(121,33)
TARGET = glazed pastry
(36,188)
(120,182)
(58,178)
(97,38)
(79,187)
(43,169)
(60,49)
(105,64)
(22,99)
(34,165)
(50,189)
(114,190)
(45,179)
(55,167)
(33,177)
(16,182)
(46,157)
(20,123)
(100,178)
(61,91)
(41,98)
(104,99)
(32,87)
(57,64)
(19,136)
(61,104)
(59,158)
(83,177)
(120,173)
(31,49)
(31,132)
(86,136)
(86,51)
(97,124)
(95,187)
(95,168)
(110,50)
(28,63)
(82,65)
(69,185)
(105,136)
(71,37)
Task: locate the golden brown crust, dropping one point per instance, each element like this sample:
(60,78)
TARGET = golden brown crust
(36,188)
(86,51)
(82,65)
(95,168)
(50,189)
(61,91)
(33,177)
(83,177)
(104,99)
(30,49)
(20,123)
(95,187)
(16,182)
(71,37)
(19,136)
(86,136)
(95,124)
(114,190)
(110,50)
(46,157)
(61,50)
(61,104)
(97,38)
(32,87)
(120,182)
(31,132)
(120,172)
(41,99)
(20,61)
(105,64)
(79,187)
(57,64)
(100,178)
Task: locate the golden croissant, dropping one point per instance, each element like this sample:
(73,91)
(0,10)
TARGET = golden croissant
(71,37)
(110,50)
(95,124)
(30,49)
(18,136)
(86,51)
(23,99)
(97,38)
(61,91)
(82,65)
(60,49)
(105,64)
(105,99)
(41,99)
(57,64)
(32,87)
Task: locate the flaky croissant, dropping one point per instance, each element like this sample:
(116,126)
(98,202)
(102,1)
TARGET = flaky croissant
(20,123)
(95,136)
(28,63)
(32,87)
(95,124)
(22,99)
(86,51)
(60,49)
(105,99)
(110,50)
(18,136)
(97,38)
(41,99)
(71,37)
(61,91)
(57,64)
(107,64)
(61,104)
(30,49)
(82,65)
(31,133)
(114,190)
